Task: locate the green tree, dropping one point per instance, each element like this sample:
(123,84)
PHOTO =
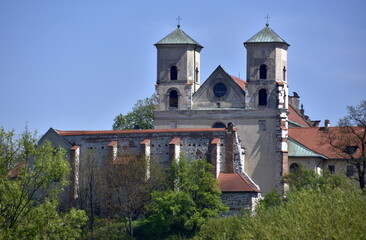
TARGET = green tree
(321,207)
(142,116)
(349,140)
(31,177)
(192,196)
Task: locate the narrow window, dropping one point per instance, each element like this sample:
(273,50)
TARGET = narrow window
(331,169)
(284,73)
(173,73)
(262,97)
(263,72)
(173,99)
(350,170)
(219,125)
(294,167)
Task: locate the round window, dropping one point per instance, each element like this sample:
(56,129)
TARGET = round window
(219,89)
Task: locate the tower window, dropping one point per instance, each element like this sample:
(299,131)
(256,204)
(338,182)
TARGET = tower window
(262,97)
(173,99)
(219,125)
(263,72)
(284,73)
(173,73)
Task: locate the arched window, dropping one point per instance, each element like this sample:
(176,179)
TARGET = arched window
(262,97)
(263,72)
(294,167)
(173,99)
(219,125)
(173,73)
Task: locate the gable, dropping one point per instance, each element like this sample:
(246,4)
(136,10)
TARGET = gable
(220,90)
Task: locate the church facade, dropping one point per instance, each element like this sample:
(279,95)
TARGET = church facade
(250,130)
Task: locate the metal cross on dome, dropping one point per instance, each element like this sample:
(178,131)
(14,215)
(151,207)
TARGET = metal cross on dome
(178,19)
(268,17)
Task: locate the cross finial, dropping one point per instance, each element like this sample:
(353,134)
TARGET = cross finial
(178,19)
(268,17)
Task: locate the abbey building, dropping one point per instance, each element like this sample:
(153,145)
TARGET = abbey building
(249,129)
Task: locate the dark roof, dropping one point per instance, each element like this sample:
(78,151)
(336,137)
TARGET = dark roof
(178,37)
(266,35)
(235,182)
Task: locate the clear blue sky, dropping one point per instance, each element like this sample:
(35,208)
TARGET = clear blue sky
(75,65)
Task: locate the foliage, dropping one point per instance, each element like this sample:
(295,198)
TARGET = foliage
(350,139)
(326,207)
(127,184)
(192,197)
(30,180)
(142,116)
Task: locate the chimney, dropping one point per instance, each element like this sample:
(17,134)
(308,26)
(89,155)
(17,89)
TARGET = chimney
(302,111)
(326,125)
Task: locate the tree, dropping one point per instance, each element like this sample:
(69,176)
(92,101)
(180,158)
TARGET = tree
(141,117)
(192,196)
(128,182)
(349,139)
(89,185)
(321,207)
(31,177)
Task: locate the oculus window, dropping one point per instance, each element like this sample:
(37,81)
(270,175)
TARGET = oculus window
(219,89)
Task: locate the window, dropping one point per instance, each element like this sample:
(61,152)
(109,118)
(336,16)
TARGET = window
(262,125)
(262,97)
(350,170)
(263,72)
(294,167)
(173,73)
(284,73)
(219,125)
(331,169)
(173,99)
(219,89)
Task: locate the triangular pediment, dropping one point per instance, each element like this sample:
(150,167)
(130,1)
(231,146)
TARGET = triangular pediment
(220,91)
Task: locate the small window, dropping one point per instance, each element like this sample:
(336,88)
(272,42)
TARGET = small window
(263,72)
(350,170)
(262,125)
(219,125)
(219,89)
(262,97)
(173,73)
(331,169)
(284,73)
(294,167)
(173,99)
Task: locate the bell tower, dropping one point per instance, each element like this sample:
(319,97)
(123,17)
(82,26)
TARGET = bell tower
(178,71)
(266,68)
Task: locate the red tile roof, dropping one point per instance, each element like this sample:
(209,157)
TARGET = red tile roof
(317,140)
(235,182)
(295,117)
(15,171)
(240,82)
(175,141)
(113,143)
(100,132)
(215,141)
(74,147)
